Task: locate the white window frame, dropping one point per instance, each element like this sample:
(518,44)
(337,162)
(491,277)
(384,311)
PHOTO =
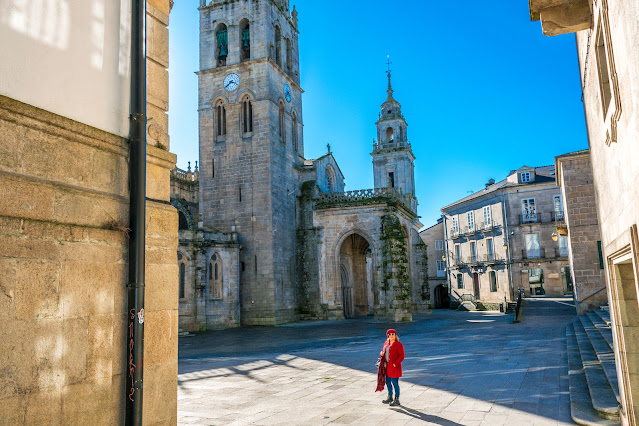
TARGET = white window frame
(525,210)
(532,254)
(524,177)
(457,253)
(564,239)
(487,217)
(559,213)
(460,277)
(455,225)
(473,251)
(490,249)
(439,245)
(471,221)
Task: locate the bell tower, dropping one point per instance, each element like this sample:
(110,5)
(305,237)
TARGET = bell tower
(251,145)
(392,153)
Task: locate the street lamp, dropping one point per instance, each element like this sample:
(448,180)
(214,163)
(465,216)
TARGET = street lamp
(555,236)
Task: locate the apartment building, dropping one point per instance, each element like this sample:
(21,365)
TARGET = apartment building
(504,237)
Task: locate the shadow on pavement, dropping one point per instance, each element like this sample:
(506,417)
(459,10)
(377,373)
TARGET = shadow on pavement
(424,417)
(478,357)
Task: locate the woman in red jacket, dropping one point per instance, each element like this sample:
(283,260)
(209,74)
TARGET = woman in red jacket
(393,353)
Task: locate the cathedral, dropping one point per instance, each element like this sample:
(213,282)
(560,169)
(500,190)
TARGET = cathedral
(267,236)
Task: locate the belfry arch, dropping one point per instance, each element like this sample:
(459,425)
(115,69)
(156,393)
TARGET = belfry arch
(355,272)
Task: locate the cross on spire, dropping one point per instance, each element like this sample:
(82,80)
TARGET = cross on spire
(388,72)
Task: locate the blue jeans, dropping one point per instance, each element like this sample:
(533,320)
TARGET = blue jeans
(393,382)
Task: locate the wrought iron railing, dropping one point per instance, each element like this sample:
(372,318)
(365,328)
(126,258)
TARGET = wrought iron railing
(363,195)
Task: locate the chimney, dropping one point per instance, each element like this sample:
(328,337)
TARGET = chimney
(490,182)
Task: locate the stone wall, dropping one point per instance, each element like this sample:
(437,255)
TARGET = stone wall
(430,236)
(63,262)
(613,131)
(582,225)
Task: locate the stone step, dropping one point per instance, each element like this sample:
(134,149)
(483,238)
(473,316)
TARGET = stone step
(467,306)
(604,315)
(581,409)
(511,307)
(603,327)
(604,353)
(601,393)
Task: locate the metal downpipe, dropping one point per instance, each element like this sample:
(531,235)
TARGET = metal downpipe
(137,217)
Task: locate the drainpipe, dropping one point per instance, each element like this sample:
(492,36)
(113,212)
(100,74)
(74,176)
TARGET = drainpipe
(507,241)
(137,215)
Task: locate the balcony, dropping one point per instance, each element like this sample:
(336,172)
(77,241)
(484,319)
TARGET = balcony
(489,226)
(530,218)
(459,262)
(491,259)
(533,254)
(455,234)
(468,230)
(561,16)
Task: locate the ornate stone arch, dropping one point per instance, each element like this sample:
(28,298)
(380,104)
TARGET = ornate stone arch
(335,253)
(183,208)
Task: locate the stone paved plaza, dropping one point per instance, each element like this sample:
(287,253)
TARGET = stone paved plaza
(468,368)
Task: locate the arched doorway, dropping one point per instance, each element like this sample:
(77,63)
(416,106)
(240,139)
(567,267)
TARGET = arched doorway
(355,262)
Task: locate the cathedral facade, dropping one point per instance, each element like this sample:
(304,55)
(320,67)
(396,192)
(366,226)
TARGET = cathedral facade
(267,236)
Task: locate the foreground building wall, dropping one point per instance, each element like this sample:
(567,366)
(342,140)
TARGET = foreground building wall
(574,176)
(63,238)
(437,288)
(609,64)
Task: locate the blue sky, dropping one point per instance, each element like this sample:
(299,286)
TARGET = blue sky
(482,89)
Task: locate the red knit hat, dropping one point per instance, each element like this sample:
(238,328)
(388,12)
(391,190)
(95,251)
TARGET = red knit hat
(390,330)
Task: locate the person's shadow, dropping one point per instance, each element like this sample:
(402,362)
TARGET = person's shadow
(424,417)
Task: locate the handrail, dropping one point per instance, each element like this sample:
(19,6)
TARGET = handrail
(367,194)
(598,291)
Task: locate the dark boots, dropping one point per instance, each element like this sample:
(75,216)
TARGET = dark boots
(389,399)
(395,402)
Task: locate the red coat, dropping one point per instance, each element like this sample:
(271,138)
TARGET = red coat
(395,356)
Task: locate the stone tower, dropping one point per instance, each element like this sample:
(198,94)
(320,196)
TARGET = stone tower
(251,144)
(392,154)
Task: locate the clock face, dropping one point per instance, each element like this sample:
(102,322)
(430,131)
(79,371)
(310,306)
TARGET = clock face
(287,93)
(231,82)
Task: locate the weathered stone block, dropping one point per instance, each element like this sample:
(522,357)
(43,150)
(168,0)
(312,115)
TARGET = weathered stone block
(37,290)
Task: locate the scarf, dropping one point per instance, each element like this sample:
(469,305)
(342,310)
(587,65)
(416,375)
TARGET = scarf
(381,374)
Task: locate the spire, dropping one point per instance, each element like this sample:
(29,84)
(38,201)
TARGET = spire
(388,72)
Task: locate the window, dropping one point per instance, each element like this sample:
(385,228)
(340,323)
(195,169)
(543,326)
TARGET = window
(281,124)
(439,245)
(182,275)
(525,177)
(247,115)
(559,208)
(528,210)
(245,40)
(389,134)
(487,219)
(493,281)
(603,71)
(473,251)
(455,225)
(460,281)
(239,193)
(471,221)
(533,250)
(278,46)
(401,133)
(563,245)
(289,57)
(330,178)
(222,50)
(458,253)
(294,131)
(213,168)
(215,276)
(220,118)
(490,251)
(441,268)
(391,180)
